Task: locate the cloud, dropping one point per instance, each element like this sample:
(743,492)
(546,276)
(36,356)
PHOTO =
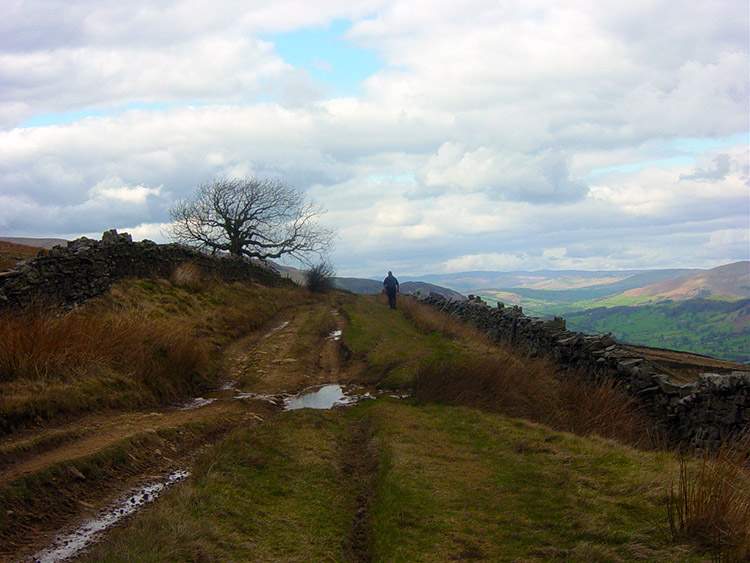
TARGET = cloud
(519,134)
(723,164)
(114,189)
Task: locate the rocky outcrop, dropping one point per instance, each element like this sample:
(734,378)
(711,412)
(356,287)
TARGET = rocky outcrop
(703,413)
(86,268)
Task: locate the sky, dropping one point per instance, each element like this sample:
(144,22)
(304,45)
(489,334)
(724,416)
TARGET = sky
(440,136)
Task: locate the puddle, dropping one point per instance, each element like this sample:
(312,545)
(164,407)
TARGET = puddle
(195,403)
(335,335)
(68,545)
(325,397)
(276,329)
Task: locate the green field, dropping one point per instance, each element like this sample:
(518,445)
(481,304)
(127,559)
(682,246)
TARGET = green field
(714,327)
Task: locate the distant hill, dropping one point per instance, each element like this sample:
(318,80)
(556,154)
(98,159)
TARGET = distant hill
(368,287)
(732,280)
(363,286)
(294,274)
(35,242)
(590,284)
(426,288)
(704,326)
(10,253)
(703,311)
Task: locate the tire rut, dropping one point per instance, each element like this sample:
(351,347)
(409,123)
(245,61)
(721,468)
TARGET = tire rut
(361,468)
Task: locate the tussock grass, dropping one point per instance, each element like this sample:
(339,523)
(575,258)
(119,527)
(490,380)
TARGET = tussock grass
(428,319)
(709,504)
(50,364)
(147,342)
(192,277)
(536,390)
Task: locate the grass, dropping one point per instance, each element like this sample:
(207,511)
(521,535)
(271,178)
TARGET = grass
(275,493)
(500,379)
(461,484)
(450,483)
(535,390)
(10,253)
(393,347)
(470,469)
(428,320)
(709,504)
(145,343)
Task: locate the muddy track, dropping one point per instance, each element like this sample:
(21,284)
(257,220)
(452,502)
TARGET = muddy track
(279,361)
(360,466)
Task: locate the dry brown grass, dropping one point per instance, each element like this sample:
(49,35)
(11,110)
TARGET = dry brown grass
(145,343)
(192,277)
(430,320)
(535,389)
(511,383)
(39,345)
(710,504)
(53,365)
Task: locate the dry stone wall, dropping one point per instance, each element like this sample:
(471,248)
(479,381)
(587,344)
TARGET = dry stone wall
(702,414)
(86,268)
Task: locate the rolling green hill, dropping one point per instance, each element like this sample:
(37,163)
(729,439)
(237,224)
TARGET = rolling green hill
(705,313)
(704,326)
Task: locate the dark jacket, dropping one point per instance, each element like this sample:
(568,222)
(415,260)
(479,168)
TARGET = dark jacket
(390,283)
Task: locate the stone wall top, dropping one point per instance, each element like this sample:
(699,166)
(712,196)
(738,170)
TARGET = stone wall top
(85,268)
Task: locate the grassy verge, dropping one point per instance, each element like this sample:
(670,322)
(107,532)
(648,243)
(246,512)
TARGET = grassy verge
(147,342)
(460,484)
(447,484)
(535,390)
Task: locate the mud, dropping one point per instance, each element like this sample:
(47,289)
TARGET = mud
(71,543)
(360,468)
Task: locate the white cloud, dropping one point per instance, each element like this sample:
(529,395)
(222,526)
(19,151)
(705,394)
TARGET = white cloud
(113,188)
(473,146)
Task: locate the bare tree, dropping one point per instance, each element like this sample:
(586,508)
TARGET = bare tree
(251,217)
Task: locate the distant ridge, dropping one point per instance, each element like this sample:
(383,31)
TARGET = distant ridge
(368,286)
(35,242)
(593,282)
(731,280)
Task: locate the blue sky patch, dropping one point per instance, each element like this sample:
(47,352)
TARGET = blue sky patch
(46,119)
(327,56)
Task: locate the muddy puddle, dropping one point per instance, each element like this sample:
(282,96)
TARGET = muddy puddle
(326,397)
(70,543)
(335,335)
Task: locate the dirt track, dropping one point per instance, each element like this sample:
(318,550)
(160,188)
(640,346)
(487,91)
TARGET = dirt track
(271,363)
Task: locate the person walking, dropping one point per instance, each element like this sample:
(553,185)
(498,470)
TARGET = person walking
(391,288)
